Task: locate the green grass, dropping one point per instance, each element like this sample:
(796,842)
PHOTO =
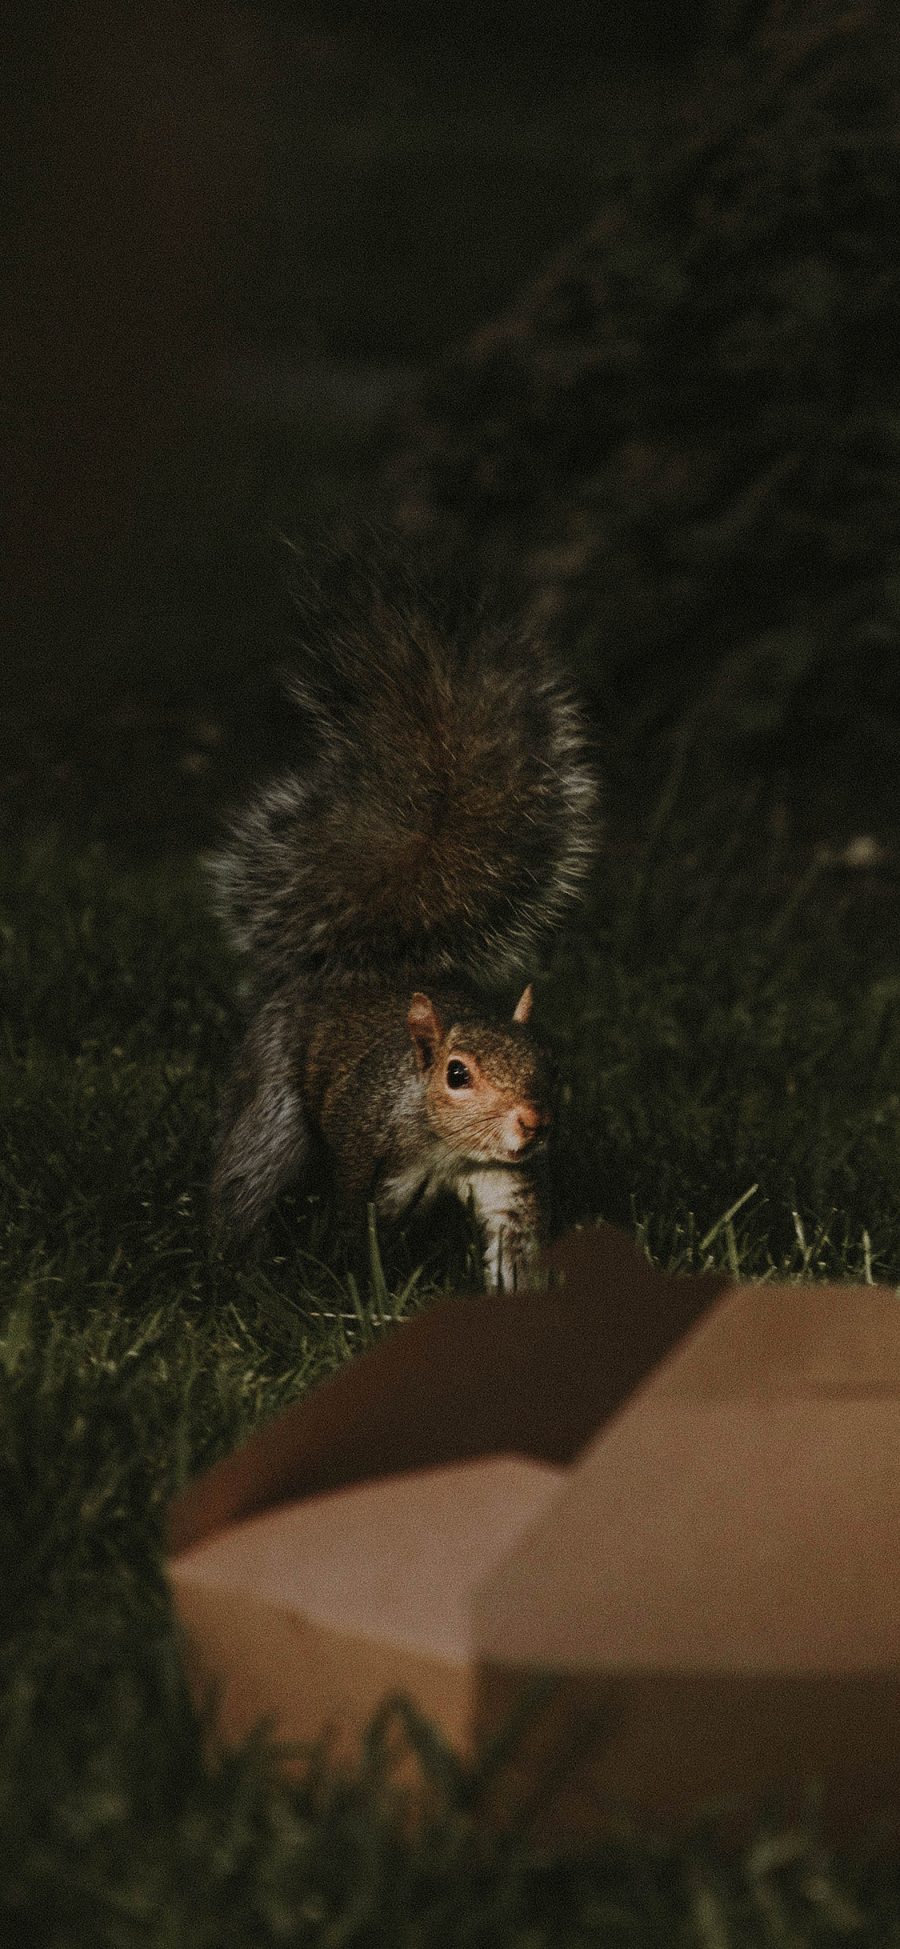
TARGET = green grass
(728,1025)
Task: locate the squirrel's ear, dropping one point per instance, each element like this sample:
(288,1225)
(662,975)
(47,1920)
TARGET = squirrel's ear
(522,1010)
(425,1028)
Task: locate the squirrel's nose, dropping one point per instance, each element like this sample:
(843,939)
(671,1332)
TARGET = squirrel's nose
(530,1121)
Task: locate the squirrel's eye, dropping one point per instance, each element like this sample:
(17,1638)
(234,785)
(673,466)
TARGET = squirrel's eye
(458,1077)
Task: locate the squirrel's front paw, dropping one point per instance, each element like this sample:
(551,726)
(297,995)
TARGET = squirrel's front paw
(512,1264)
(507,1210)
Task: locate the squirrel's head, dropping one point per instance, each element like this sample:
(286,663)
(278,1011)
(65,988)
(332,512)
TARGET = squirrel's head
(487,1084)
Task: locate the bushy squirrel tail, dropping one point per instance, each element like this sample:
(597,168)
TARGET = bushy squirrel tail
(443,814)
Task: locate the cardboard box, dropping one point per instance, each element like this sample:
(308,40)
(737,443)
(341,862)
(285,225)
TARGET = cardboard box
(679,1499)
(318,1609)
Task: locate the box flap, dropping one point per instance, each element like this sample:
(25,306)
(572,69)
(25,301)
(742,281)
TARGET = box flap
(533,1374)
(713,1536)
(310,1614)
(790,1339)
(390,1561)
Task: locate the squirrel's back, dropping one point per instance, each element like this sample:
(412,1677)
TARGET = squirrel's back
(441,818)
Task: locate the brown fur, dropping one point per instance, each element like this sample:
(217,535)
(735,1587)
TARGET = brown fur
(444,817)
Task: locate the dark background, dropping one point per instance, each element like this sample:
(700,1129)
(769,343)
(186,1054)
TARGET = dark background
(252,254)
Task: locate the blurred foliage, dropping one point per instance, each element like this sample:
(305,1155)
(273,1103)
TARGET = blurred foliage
(582,27)
(675,453)
(678,449)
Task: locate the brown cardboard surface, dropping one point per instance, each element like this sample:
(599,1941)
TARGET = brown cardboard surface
(310,1612)
(715,1536)
(661,1747)
(507,1373)
(720,1592)
(711,1581)
(265,1663)
(788,1339)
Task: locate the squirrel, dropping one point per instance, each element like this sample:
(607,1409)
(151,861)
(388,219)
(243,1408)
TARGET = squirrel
(440,817)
